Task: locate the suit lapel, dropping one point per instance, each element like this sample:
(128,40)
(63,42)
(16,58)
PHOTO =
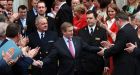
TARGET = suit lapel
(65,48)
(75,46)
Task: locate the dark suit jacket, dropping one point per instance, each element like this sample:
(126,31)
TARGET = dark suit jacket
(64,15)
(136,53)
(124,63)
(67,64)
(46,44)
(92,62)
(18,21)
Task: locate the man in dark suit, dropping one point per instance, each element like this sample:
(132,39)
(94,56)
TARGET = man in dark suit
(22,18)
(31,14)
(43,38)
(63,15)
(124,63)
(41,9)
(67,50)
(93,34)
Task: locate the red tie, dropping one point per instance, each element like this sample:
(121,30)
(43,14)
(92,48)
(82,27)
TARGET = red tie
(71,48)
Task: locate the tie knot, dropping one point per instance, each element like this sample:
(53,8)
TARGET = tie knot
(91,29)
(42,33)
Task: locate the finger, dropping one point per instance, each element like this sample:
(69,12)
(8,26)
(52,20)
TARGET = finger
(3,53)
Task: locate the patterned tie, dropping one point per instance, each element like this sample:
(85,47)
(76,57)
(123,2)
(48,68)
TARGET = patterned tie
(71,48)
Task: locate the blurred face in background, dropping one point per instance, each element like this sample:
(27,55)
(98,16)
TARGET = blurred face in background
(3,3)
(86,4)
(34,3)
(41,8)
(75,2)
(9,5)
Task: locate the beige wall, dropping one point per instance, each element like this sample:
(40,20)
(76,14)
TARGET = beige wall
(19,2)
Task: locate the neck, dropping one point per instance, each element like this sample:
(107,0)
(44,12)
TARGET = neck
(14,39)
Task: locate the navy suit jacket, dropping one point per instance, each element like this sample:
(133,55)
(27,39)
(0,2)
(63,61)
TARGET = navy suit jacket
(67,64)
(64,15)
(45,44)
(92,62)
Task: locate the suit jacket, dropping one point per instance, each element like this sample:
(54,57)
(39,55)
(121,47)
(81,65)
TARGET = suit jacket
(45,44)
(18,21)
(124,63)
(67,64)
(136,53)
(63,15)
(92,62)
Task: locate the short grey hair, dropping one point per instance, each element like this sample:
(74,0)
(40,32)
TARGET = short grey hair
(38,18)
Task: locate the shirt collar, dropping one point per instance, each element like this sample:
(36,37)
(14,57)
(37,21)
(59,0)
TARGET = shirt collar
(91,7)
(93,27)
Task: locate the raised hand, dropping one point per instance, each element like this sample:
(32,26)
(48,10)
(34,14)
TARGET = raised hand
(33,52)
(23,41)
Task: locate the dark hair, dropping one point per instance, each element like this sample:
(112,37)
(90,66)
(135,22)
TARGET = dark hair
(65,25)
(1,6)
(104,3)
(42,2)
(91,12)
(89,0)
(12,30)
(9,0)
(122,15)
(23,7)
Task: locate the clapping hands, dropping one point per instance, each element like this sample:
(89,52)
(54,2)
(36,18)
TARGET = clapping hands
(30,52)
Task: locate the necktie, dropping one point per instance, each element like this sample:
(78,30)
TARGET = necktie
(91,31)
(42,35)
(71,48)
